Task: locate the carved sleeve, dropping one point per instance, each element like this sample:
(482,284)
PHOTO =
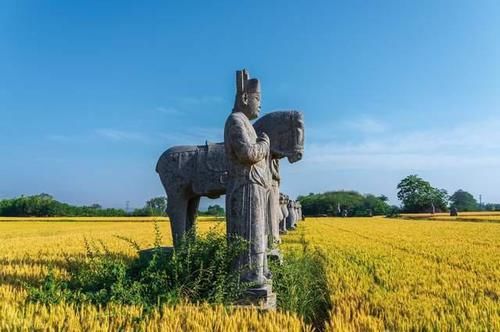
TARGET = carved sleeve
(246,150)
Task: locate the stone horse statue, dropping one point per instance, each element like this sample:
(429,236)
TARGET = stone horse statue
(189,172)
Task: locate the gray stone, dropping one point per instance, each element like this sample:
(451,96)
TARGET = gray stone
(189,172)
(261,297)
(292,217)
(275,255)
(274,210)
(249,180)
(283,201)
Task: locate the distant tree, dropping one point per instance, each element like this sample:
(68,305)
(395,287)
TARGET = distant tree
(216,210)
(417,195)
(44,205)
(157,205)
(333,203)
(492,207)
(464,201)
(383,198)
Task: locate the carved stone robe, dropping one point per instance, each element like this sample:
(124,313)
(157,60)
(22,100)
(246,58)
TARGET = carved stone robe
(247,193)
(274,213)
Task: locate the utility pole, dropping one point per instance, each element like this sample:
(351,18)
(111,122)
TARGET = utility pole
(127,206)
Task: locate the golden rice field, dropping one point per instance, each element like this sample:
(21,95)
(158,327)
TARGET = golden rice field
(383,274)
(490,216)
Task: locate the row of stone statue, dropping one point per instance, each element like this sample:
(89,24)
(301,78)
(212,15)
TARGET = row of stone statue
(245,167)
(290,213)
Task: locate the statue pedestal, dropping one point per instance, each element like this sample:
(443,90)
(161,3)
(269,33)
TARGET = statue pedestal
(261,297)
(275,256)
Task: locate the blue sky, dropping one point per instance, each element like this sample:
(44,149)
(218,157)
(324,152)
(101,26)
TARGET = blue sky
(92,92)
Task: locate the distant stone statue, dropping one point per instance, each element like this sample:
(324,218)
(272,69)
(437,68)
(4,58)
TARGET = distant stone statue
(290,221)
(284,212)
(274,209)
(454,212)
(298,207)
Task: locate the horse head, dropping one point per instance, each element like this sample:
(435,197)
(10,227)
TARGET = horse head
(286,132)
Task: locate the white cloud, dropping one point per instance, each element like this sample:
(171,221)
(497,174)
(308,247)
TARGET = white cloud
(168,110)
(469,146)
(193,135)
(367,125)
(120,135)
(202,100)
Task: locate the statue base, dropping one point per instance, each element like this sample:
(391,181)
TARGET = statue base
(261,297)
(275,256)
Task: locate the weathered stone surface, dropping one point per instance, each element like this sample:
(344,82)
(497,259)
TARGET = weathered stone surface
(275,255)
(283,201)
(292,217)
(249,179)
(274,210)
(245,168)
(261,297)
(189,172)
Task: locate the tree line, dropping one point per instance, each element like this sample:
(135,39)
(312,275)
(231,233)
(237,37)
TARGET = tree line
(418,195)
(44,205)
(344,203)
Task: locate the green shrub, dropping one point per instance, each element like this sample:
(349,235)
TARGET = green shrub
(200,269)
(301,284)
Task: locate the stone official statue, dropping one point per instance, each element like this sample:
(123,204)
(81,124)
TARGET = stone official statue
(291,219)
(274,211)
(284,212)
(249,178)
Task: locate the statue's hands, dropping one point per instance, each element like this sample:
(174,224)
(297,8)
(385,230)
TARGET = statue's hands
(264,138)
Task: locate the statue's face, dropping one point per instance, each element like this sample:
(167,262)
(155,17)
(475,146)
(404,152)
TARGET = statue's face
(252,108)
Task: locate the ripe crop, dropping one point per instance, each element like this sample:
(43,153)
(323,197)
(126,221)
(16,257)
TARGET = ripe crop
(383,274)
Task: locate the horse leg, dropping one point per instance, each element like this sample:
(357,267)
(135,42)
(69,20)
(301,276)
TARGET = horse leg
(177,208)
(192,212)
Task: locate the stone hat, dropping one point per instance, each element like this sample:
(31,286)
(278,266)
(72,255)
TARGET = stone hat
(245,84)
(252,86)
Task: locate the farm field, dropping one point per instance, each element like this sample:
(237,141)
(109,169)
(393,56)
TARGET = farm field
(490,216)
(384,274)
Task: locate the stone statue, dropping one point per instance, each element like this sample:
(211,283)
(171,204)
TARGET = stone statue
(249,179)
(189,172)
(290,220)
(298,211)
(274,210)
(284,212)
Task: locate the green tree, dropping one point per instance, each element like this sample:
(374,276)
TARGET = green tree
(332,203)
(157,205)
(464,201)
(216,210)
(44,205)
(417,195)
